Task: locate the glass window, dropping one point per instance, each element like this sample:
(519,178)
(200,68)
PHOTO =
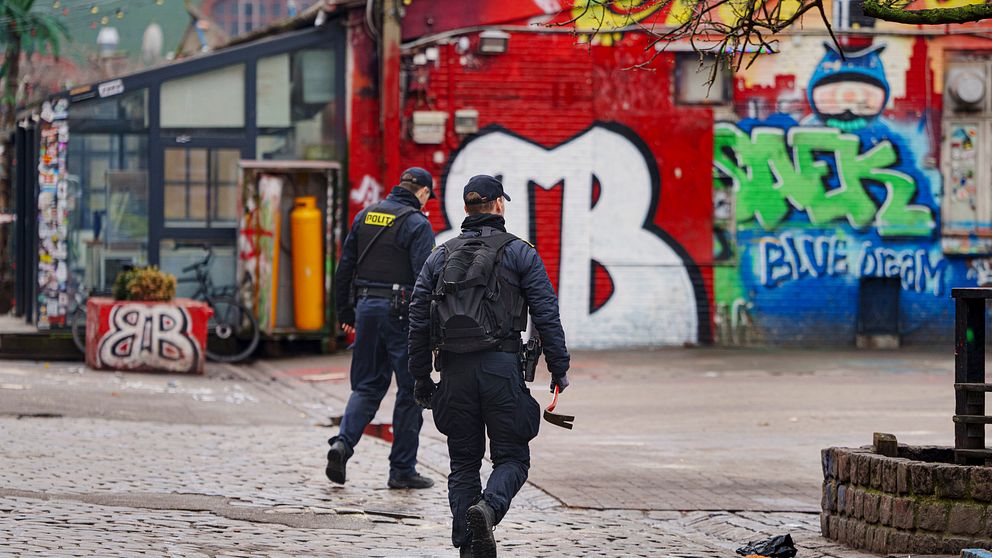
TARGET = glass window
(175,256)
(125,112)
(209,100)
(693,80)
(109,215)
(298,111)
(201,187)
(273,92)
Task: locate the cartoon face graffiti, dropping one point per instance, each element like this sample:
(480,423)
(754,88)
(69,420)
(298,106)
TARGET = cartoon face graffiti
(849,93)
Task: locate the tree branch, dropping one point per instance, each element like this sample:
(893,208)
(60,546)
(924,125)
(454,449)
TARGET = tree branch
(932,16)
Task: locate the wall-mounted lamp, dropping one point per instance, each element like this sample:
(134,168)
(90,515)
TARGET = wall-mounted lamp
(493,42)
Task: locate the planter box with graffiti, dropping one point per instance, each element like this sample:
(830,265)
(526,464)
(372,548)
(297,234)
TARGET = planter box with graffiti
(135,335)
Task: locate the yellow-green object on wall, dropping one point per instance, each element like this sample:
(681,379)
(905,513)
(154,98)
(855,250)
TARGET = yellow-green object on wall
(308,264)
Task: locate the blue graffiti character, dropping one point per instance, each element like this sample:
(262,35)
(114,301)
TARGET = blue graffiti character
(850,93)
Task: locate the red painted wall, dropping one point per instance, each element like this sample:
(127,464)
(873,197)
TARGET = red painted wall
(549,91)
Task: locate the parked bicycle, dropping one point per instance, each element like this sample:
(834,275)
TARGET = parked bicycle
(77,321)
(232,331)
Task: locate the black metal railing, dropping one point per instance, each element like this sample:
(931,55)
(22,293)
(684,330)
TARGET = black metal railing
(970,384)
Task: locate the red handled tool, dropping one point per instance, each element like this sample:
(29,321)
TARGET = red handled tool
(564,421)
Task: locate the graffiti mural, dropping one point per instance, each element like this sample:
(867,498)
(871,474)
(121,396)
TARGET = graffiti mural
(781,170)
(587,204)
(790,258)
(149,336)
(829,189)
(369,192)
(259,241)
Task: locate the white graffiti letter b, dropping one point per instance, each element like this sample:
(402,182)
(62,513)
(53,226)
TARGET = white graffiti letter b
(608,200)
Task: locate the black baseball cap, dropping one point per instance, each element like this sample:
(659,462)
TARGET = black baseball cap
(418,176)
(486,186)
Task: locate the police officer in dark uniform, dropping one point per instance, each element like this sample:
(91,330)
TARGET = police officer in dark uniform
(380,260)
(483,392)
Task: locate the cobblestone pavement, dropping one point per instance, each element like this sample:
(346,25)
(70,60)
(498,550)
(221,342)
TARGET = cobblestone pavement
(231,464)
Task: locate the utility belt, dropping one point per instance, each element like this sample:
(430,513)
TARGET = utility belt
(399,298)
(505,346)
(528,353)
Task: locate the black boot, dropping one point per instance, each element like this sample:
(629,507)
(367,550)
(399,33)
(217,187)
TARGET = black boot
(337,458)
(481,519)
(465,551)
(415,480)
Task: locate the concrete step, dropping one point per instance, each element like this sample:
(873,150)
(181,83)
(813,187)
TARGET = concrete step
(39,345)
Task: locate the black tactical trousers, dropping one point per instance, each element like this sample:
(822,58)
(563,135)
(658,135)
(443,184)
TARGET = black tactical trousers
(484,393)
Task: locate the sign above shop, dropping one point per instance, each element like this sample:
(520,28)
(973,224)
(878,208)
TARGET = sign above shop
(111,88)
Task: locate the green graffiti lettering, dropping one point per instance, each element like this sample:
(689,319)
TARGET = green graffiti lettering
(774,171)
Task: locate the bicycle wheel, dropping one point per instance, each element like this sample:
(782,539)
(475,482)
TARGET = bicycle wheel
(78,324)
(232,332)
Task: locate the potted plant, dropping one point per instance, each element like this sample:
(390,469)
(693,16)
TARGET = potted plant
(144,327)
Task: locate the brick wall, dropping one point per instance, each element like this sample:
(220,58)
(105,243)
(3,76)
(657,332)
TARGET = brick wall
(902,505)
(609,178)
(760,222)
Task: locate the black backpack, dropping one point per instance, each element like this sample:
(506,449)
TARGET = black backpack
(472,307)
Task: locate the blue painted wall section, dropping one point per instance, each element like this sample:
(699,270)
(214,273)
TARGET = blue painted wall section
(827,195)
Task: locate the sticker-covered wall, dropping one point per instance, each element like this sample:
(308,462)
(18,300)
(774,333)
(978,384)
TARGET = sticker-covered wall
(829,172)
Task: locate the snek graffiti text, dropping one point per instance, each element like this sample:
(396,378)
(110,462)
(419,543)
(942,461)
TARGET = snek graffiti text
(822,172)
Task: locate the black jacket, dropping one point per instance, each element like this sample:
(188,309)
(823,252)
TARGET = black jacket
(415,235)
(526,270)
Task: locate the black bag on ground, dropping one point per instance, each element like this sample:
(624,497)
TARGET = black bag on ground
(775,547)
(473,308)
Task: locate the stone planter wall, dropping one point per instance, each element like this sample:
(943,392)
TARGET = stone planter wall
(919,502)
(147,336)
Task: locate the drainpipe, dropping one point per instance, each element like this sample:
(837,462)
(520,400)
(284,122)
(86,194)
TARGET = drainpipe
(390,91)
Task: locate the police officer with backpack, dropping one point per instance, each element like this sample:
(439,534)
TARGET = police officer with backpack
(470,303)
(380,259)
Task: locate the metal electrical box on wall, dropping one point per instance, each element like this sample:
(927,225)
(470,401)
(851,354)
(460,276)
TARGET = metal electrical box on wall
(967,87)
(967,129)
(466,121)
(428,126)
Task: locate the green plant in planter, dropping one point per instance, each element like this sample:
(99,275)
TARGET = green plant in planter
(120,284)
(146,284)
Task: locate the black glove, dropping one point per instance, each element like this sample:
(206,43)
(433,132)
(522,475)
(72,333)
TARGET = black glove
(423,390)
(560,381)
(346,316)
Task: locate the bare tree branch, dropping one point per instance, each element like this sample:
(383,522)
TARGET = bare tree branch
(891,11)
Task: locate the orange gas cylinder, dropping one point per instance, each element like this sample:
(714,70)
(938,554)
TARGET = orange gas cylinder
(308,264)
